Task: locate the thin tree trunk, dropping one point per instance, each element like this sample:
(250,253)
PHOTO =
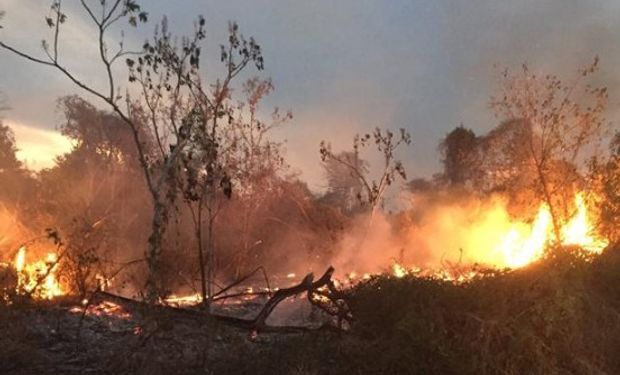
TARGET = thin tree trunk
(245,246)
(548,199)
(201,262)
(210,259)
(154,250)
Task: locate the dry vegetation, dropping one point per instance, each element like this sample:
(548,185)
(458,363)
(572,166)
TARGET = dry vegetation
(557,316)
(180,189)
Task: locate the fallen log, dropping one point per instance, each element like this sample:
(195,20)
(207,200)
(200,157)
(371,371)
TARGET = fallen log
(324,286)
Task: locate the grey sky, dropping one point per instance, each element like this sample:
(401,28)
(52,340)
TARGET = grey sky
(350,65)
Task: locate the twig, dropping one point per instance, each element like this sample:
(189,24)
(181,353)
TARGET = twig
(242,279)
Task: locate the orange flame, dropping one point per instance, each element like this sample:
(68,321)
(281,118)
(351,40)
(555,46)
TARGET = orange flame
(519,248)
(398,270)
(579,230)
(501,243)
(37,278)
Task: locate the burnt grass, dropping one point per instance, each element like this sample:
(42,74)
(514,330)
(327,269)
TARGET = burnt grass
(560,315)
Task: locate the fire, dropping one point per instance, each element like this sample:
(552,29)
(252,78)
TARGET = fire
(20,259)
(495,240)
(520,248)
(188,300)
(103,308)
(579,230)
(498,241)
(398,270)
(37,278)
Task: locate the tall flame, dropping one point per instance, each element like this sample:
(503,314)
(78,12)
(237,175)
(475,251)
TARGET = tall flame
(579,230)
(519,249)
(20,259)
(501,242)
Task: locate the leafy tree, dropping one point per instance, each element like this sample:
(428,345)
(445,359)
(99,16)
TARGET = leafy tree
(18,187)
(173,99)
(504,165)
(95,196)
(101,133)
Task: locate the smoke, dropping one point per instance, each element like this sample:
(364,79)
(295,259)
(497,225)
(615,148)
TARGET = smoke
(369,246)
(11,232)
(469,230)
(434,233)
(15,232)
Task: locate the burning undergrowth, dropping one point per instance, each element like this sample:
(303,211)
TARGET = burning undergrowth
(447,238)
(444,231)
(556,315)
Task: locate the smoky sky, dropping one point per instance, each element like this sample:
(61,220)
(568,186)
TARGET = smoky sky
(348,66)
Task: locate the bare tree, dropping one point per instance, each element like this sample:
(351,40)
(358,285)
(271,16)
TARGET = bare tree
(203,179)
(387,143)
(344,187)
(172,101)
(255,161)
(559,121)
(218,156)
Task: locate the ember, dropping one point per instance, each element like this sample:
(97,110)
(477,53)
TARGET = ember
(103,308)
